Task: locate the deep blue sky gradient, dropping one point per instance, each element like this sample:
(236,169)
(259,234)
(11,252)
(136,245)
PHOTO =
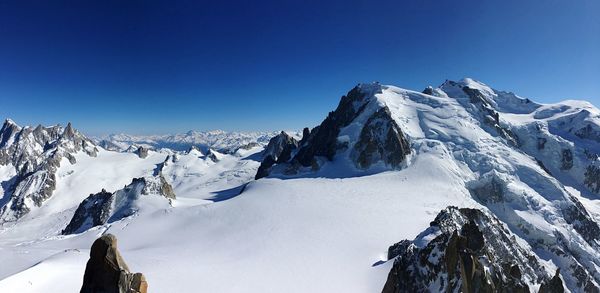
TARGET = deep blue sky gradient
(169,66)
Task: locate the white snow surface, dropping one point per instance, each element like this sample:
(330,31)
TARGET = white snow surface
(324,231)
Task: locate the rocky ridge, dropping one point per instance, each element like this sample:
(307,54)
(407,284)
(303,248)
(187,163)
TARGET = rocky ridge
(36,154)
(105,207)
(466,250)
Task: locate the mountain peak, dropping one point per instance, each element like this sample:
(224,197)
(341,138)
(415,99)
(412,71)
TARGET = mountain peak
(9,121)
(69,132)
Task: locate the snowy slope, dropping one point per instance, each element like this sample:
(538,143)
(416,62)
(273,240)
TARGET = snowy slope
(323,220)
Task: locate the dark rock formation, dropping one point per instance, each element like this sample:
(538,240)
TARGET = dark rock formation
(541,164)
(465,250)
(104,207)
(576,215)
(92,211)
(554,285)
(490,115)
(566,159)
(160,186)
(592,178)
(428,91)
(212,156)
(278,150)
(280,147)
(541,143)
(588,131)
(265,166)
(106,271)
(322,140)
(142,152)
(381,140)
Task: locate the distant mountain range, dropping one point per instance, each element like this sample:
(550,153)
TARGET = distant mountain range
(219,140)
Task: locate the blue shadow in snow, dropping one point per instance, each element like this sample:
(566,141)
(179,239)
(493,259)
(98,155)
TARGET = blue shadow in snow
(226,194)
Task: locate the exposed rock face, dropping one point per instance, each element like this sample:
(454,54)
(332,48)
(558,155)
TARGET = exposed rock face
(36,154)
(492,117)
(567,159)
(105,207)
(322,140)
(280,147)
(107,272)
(264,168)
(278,150)
(555,285)
(142,152)
(92,211)
(381,140)
(211,155)
(574,257)
(592,178)
(589,131)
(479,103)
(158,185)
(465,250)
(194,149)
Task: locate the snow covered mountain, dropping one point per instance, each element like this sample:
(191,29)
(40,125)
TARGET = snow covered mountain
(222,141)
(514,185)
(30,158)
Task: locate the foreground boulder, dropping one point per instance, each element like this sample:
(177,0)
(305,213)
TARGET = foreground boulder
(465,250)
(106,271)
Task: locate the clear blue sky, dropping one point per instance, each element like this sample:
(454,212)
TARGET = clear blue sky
(169,66)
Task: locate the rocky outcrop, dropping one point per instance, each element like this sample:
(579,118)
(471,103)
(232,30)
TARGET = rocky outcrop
(107,272)
(92,211)
(194,149)
(278,150)
(381,140)
(566,159)
(478,102)
(592,178)
(142,152)
(589,131)
(105,207)
(554,285)
(466,250)
(322,140)
(36,154)
(490,115)
(280,147)
(158,185)
(212,155)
